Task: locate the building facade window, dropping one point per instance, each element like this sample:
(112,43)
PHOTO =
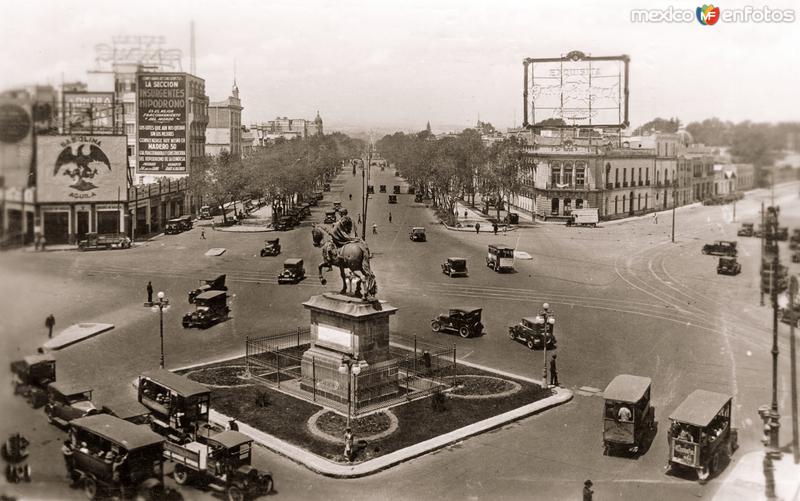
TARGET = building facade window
(555,177)
(616,178)
(625,177)
(616,203)
(567,174)
(580,176)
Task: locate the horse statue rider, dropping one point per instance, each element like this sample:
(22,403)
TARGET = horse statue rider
(345,252)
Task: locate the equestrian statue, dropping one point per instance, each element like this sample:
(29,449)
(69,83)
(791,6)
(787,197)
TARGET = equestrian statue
(345,252)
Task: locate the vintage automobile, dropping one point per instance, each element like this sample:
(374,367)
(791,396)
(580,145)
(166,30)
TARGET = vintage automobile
(701,436)
(796,256)
(417,234)
(500,257)
(178,225)
(454,267)
(396,189)
(583,217)
(511,218)
(466,321)
(392,199)
(794,244)
(720,248)
(326,187)
(330,217)
(293,271)
(66,402)
(210,307)
(370,189)
(320,195)
(782,234)
(15,453)
(129,410)
(221,462)
(205,212)
(284,223)
(271,247)
(337,206)
(411,190)
(312,200)
(30,377)
(418,198)
(789,315)
(728,266)
(214,284)
(178,405)
(382,188)
(746,230)
(94,241)
(795,235)
(110,457)
(628,416)
(535,332)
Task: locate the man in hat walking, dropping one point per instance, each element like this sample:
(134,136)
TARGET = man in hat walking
(50,322)
(149,292)
(587,490)
(553,372)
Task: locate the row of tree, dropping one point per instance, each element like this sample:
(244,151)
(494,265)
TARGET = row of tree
(455,167)
(282,173)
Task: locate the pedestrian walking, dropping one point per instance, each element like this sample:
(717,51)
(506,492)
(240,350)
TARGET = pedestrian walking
(505,228)
(494,227)
(587,490)
(390,217)
(359,219)
(655,218)
(213,227)
(149,292)
(351,196)
(348,444)
(465,214)
(477,227)
(50,322)
(374,229)
(553,372)
(36,240)
(41,243)
(203,233)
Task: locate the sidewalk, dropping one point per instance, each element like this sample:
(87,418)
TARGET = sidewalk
(746,481)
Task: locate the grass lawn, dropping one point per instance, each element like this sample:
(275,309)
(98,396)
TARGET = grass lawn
(286,417)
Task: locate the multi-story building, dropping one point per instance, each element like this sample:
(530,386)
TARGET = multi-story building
(224,131)
(286,128)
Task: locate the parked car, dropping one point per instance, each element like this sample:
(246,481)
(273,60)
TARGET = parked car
(466,321)
(31,376)
(210,307)
(411,190)
(418,198)
(284,223)
(396,189)
(701,436)
(214,284)
(382,188)
(500,257)
(534,332)
(205,212)
(455,266)
(392,199)
(66,402)
(417,234)
(271,247)
(720,248)
(178,225)
(728,266)
(746,230)
(330,217)
(629,416)
(221,462)
(789,315)
(326,187)
(293,271)
(111,457)
(95,241)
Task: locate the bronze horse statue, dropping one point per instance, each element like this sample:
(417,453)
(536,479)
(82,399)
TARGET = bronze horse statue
(353,256)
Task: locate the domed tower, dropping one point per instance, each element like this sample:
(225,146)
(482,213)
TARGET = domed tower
(318,123)
(685,137)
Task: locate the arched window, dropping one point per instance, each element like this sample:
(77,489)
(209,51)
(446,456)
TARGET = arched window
(567,178)
(555,177)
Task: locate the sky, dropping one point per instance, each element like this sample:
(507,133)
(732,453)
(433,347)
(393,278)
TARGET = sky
(396,65)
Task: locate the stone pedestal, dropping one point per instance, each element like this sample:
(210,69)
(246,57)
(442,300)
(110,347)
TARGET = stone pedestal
(344,328)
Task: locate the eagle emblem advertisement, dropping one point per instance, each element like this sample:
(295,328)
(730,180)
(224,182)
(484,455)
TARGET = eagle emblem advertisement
(82,168)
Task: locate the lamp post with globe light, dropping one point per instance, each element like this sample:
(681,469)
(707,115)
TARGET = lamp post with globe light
(544,319)
(351,367)
(161,305)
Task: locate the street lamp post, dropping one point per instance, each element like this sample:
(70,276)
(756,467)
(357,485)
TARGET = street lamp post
(544,319)
(351,367)
(364,184)
(161,305)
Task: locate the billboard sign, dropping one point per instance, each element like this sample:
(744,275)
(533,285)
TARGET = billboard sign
(576,90)
(82,168)
(88,112)
(16,144)
(161,130)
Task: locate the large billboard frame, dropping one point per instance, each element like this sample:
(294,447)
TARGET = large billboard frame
(167,126)
(72,109)
(529,106)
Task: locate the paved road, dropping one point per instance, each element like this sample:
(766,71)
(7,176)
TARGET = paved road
(626,299)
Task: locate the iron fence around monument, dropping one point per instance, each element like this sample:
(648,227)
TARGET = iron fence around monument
(412,372)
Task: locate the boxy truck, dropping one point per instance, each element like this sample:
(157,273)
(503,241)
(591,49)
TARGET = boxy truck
(584,217)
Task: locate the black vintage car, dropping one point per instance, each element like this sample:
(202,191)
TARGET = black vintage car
(370,189)
(746,230)
(293,271)
(782,234)
(418,198)
(466,321)
(326,187)
(535,332)
(411,190)
(284,223)
(30,377)
(214,284)
(720,248)
(789,315)
(396,189)
(330,217)
(392,199)
(210,307)
(66,402)
(455,266)
(417,234)
(382,188)
(271,247)
(728,266)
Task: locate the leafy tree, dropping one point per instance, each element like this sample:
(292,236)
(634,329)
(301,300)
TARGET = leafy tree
(501,174)
(659,125)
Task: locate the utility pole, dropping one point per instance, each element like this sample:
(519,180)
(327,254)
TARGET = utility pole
(793,362)
(763,241)
(673,214)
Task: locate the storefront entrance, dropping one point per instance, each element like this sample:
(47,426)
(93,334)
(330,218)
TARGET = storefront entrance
(56,227)
(83,225)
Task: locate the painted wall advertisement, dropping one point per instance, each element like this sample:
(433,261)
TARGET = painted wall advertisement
(88,112)
(161,104)
(16,144)
(82,168)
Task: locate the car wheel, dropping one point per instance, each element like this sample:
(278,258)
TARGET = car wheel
(436,326)
(181,474)
(268,485)
(530,343)
(90,488)
(235,494)
(463,331)
(511,334)
(263,253)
